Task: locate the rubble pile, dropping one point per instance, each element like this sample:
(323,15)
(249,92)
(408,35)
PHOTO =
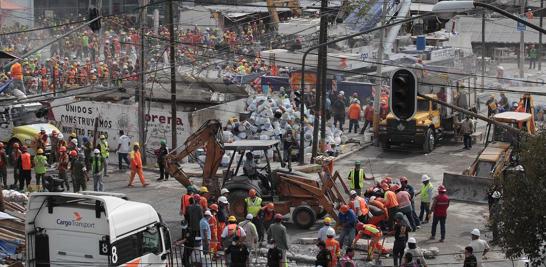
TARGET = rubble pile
(12,226)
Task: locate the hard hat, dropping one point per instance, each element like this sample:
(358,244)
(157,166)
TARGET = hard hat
(54,132)
(352,193)
(222,199)
(403,179)
(96,151)
(372,198)
(40,151)
(85,139)
(213,207)
(24,148)
(203,189)
(270,205)
(102,136)
(327,220)
(411,240)
(394,187)
(425,178)
(73,135)
(74,141)
(196,197)
(73,153)
(249,216)
(344,208)
(15,145)
(60,136)
(330,232)
(357,162)
(359,226)
(62,149)
(475,232)
(207,213)
(224,191)
(388,179)
(232,219)
(385,186)
(163,142)
(136,144)
(42,129)
(278,216)
(496,195)
(252,192)
(442,188)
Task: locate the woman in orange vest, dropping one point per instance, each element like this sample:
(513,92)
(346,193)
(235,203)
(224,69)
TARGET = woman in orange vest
(136,166)
(25,167)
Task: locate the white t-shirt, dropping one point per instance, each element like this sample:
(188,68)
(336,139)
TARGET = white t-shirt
(479,245)
(125,142)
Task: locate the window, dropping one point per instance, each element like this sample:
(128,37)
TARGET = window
(147,241)
(422,105)
(484,168)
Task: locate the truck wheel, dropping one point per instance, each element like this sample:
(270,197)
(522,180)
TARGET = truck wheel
(428,144)
(236,200)
(304,217)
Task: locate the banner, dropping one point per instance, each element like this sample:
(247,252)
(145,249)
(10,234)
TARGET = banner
(309,79)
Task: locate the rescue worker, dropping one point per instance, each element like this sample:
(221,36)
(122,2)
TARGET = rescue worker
(416,252)
(253,205)
(40,166)
(161,153)
(359,206)
(78,171)
(124,147)
(15,155)
(322,231)
(401,235)
(62,167)
(103,147)
(409,188)
(204,232)
(378,210)
(25,168)
(54,140)
(195,214)
(356,178)
(404,204)
(265,219)
(277,232)
(213,224)
(469,258)
(439,207)
(136,165)
(87,152)
(96,170)
(3,166)
(251,239)
(231,233)
(204,193)
(185,202)
(224,192)
(375,235)
(41,139)
(391,203)
(347,259)
(223,213)
(324,257)
(479,246)
(333,246)
(348,221)
(426,198)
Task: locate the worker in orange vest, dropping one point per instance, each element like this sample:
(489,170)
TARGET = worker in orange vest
(333,246)
(25,168)
(185,201)
(204,192)
(378,210)
(374,233)
(136,166)
(391,202)
(359,206)
(213,223)
(16,72)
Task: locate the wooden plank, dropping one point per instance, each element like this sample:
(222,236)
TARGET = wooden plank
(16,214)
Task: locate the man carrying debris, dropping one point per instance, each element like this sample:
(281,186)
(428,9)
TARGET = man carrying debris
(356,178)
(277,232)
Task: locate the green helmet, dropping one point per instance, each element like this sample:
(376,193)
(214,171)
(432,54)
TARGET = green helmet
(357,162)
(163,142)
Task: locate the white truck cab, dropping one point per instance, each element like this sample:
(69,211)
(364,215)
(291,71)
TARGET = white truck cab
(88,228)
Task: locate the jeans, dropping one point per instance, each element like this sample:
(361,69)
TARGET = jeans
(425,208)
(98,185)
(355,124)
(366,123)
(532,63)
(442,220)
(467,140)
(407,210)
(105,164)
(341,121)
(24,179)
(123,157)
(346,233)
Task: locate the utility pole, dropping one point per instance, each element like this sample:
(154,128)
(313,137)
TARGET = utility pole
(320,93)
(173,75)
(522,43)
(540,36)
(140,94)
(377,98)
(483,51)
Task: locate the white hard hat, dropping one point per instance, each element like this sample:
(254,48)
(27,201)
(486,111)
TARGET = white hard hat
(496,195)
(475,232)
(353,192)
(60,136)
(411,240)
(330,232)
(372,198)
(224,190)
(207,213)
(96,151)
(424,178)
(222,199)
(74,141)
(249,216)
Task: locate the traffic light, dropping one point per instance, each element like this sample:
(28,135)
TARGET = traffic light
(403,94)
(93,14)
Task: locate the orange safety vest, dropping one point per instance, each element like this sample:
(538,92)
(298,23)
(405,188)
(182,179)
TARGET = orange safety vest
(392,201)
(333,246)
(363,206)
(185,203)
(16,71)
(203,202)
(26,163)
(231,228)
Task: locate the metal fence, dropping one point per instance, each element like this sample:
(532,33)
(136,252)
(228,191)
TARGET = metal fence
(196,257)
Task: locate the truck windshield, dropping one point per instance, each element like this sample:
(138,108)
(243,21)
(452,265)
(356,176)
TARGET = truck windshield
(422,105)
(26,115)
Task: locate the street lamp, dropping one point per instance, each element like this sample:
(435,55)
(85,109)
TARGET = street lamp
(449,8)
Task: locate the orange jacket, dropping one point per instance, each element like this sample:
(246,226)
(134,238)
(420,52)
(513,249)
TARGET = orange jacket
(380,205)
(333,246)
(354,111)
(185,203)
(136,161)
(203,202)
(26,163)
(390,200)
(16,71)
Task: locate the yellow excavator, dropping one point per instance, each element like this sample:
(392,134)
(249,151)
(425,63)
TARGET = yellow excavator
(305,197)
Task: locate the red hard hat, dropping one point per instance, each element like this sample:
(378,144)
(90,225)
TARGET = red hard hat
(344,208)
(62,149)
(359,226)
(270,205)
(278,216)
(385,186)
(442,188)
(388,179)
(73,153)
(196,197)
(213,207)
(403,179)
(252,192)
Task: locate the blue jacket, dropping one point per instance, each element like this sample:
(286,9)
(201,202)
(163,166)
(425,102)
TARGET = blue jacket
(348,220)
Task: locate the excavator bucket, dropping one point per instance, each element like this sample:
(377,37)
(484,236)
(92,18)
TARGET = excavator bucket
(467,188)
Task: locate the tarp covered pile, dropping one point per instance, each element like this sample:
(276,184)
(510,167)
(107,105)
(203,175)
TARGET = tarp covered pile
(12,226)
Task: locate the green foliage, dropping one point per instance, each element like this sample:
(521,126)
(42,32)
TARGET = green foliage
(522,214)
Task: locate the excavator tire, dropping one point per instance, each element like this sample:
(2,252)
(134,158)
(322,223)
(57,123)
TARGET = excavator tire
(304,217)
(236,201)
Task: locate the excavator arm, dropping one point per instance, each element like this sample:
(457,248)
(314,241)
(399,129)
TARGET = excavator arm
(209,137)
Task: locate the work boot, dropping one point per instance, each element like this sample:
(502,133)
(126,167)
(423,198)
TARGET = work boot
(159,179)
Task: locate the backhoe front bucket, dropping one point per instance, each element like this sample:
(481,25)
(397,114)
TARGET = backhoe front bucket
(467,188)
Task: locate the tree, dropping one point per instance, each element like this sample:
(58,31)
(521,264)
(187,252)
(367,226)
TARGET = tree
(521,218)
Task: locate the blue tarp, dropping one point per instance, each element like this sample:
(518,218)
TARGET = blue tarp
(4,86)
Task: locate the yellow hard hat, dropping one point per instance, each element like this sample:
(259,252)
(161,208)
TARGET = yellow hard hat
(136,144)
(40,151)
(327,220)
(232,219)
(73,135)
(203,189)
